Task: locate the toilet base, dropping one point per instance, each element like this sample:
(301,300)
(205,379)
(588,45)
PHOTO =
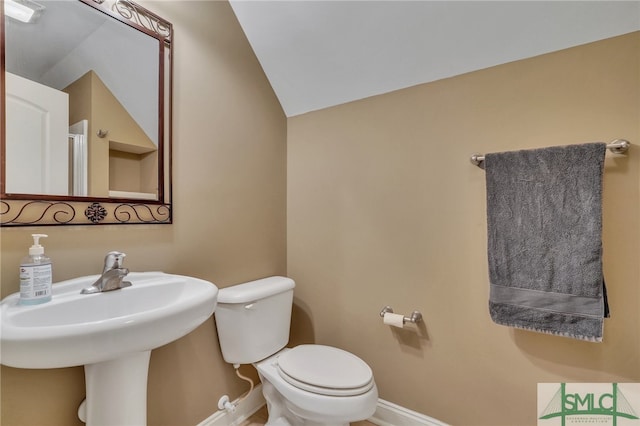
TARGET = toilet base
(279,415)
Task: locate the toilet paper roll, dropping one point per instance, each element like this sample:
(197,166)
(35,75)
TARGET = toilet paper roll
(395,320)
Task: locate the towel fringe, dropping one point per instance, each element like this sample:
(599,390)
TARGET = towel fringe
(591,339)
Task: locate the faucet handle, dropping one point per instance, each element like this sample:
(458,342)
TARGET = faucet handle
(113,260)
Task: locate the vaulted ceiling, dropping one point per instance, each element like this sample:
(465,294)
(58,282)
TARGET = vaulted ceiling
(318,54)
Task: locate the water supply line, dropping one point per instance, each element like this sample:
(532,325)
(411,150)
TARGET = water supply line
(230,407)
(237,367)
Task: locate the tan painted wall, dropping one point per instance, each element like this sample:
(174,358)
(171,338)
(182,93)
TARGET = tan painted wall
(384,207)
(229,204)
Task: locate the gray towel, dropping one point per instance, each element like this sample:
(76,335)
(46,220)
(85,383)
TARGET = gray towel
(544,217)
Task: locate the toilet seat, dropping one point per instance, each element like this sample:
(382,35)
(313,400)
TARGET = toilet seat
(325,370)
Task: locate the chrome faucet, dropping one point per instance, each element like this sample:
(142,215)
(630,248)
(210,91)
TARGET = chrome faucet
(112,275)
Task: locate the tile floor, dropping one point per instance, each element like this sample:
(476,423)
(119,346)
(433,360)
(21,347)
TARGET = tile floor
(259,418)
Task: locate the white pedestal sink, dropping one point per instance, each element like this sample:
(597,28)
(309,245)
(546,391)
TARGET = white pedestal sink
(111,334)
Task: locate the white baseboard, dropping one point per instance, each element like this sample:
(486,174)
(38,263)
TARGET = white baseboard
(390,414)
(244,410)
(387,413)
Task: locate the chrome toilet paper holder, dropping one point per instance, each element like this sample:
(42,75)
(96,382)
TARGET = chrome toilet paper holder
(415,317)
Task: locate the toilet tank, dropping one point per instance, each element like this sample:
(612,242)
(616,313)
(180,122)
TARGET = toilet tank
(253,319)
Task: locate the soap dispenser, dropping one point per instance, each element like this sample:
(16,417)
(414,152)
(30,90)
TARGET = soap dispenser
(35,275)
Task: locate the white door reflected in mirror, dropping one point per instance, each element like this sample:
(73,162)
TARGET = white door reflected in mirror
(38,157)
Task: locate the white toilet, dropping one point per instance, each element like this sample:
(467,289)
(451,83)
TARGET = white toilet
(305,385)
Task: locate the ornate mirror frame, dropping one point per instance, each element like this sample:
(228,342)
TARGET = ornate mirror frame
(47,210)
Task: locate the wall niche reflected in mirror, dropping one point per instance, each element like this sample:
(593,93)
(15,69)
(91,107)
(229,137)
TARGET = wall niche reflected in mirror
(86,94)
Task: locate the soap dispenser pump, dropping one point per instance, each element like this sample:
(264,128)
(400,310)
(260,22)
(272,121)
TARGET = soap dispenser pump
(35,275)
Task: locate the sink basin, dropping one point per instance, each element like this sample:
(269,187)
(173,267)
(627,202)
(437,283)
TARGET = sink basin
(78,329)
(111,334)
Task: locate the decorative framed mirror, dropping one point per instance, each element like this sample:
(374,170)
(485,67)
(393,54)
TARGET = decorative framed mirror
(86,93)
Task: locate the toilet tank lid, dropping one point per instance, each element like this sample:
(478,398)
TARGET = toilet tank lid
(255,290)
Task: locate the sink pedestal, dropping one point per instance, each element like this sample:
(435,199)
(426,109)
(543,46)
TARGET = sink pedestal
(117,391)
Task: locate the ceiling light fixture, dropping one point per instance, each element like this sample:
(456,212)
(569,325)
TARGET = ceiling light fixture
(23,10)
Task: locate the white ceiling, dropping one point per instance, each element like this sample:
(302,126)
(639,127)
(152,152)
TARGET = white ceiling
(318,54)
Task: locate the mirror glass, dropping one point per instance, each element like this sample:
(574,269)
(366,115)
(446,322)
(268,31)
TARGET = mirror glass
(87,95)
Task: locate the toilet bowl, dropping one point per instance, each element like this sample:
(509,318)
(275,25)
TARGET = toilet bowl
(305,385)
(322,393)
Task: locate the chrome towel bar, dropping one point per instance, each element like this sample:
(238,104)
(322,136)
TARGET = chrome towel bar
(618,146)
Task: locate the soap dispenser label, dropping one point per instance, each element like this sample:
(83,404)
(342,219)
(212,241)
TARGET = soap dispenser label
(34,281)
